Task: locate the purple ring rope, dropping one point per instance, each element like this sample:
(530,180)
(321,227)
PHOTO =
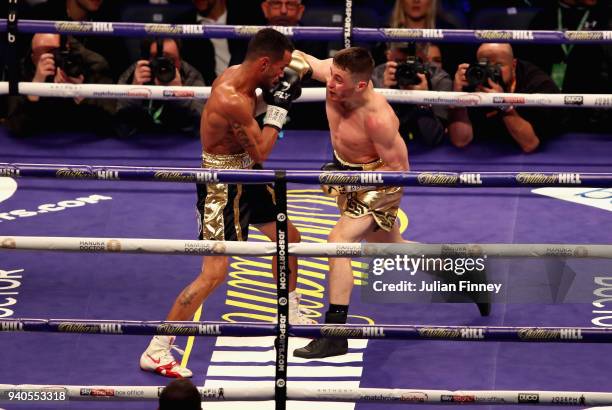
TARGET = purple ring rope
(199,175)
(128,327)
(311,33)
(393,332)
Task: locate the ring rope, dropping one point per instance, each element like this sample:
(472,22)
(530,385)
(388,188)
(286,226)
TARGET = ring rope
(197,247)
(317,94)
(344,394)
(470,179)
(245,329)
(311,33)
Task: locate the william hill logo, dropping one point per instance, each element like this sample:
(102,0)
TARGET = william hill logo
(176,176)
(550,334)
(432,178)
(9,172)
(440,333)
(75,173)
(74,26)
(189,330)
(552,179)
(414,33)
(163,28)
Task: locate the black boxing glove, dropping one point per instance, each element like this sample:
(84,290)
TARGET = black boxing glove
(280,97)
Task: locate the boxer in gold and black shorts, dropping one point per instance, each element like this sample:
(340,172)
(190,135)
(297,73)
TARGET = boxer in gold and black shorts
(224,211)
(380,202)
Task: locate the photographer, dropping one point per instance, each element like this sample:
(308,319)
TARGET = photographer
(60,60)
(412,67)
(160,64)
(497,71)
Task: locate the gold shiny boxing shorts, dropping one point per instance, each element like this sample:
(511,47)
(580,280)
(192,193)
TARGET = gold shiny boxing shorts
(224,211)
(382,203)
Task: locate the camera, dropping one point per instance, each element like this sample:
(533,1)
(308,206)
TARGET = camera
(162,67)
(407,72)
(479,73)
(70,62)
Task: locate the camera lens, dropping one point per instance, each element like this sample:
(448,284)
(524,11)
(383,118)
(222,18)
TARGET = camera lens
(476,75)
(406,74)
(163,69)
(70,63)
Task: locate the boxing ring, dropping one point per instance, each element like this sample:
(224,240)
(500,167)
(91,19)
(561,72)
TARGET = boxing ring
(115,274)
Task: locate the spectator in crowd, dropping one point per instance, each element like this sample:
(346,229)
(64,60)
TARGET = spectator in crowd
(160,67)
(212,56)
(526,126)
(423,14)
(420,69)
(288,13)
(61,60)
(180,394)
(575,68)
(113,49)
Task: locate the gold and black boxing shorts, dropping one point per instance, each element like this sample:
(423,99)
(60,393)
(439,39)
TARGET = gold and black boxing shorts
(224,211)
(382,202)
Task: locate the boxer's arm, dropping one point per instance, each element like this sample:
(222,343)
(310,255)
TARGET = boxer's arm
(256,142)
(320,68)
(388,143)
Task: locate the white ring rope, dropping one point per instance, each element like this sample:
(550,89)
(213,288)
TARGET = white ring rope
(196,247)
(348,394)
(317,94)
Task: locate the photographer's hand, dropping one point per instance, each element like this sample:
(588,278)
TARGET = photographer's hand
(62,78)
(460,126)
(493,87)
(460,80)
(44,69)
(389,74)
(423,86)
(142,73)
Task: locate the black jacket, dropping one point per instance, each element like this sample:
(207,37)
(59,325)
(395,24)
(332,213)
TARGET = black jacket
(200,53)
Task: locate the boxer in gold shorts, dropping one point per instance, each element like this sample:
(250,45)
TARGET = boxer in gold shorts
(232,139)
(382,203)
(365,137)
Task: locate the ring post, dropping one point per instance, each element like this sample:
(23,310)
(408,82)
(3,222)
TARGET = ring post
(11,51)
(282,282)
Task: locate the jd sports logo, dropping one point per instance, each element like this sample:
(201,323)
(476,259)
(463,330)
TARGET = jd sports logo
(8,186)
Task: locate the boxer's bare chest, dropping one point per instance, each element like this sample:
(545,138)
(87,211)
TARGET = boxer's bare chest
(348,134)
(217,135)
